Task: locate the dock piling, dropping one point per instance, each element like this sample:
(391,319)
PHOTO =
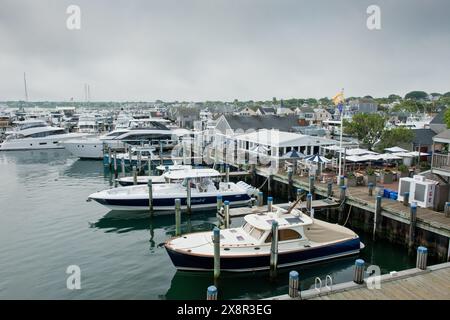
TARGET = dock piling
(309,202)
(227,173)
(293,284)
(274,250)
(342,194)
(122,166)
(299,193)
(109,158)
(311,185)
(134,175)
(341,181)
(422,254)
(219,204)
(406,199)
(358,271)
(412,224)
(115,164)
(377,215)
(447,209)
(216,241)
(370,185)
(330,189)
(188,196)
(290,173)
(130,156)
(150,196)
(260,199)
(226,212)
(269,204)
(177,217)
(211,293)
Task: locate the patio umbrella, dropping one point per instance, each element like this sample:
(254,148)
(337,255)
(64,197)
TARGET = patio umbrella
(293,154)
(316,158)
(395,149)
(358,152)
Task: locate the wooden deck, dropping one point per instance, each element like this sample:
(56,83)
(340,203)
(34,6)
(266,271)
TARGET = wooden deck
(427,219)
(412,284)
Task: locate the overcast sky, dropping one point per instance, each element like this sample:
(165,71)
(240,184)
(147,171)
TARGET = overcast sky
(191,50)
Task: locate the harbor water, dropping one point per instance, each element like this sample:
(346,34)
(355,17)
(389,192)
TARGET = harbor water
(46,225)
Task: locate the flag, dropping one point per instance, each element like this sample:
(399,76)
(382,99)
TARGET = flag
(338,100)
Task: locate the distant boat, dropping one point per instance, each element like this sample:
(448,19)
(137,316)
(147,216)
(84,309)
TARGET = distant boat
(36,135)
(203,190)
(247,248)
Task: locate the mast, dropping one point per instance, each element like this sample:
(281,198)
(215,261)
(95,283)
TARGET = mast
(25,84)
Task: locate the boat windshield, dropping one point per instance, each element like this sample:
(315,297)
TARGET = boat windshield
(247,227)
(256,233)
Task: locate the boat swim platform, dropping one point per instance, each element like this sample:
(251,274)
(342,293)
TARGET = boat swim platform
(316,204)
(411,284)
(427,219)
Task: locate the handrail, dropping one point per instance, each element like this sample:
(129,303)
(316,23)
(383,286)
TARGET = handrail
(318,280)
(329,287)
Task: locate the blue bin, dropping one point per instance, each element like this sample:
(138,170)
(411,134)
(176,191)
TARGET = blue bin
(386,193)
(394,195)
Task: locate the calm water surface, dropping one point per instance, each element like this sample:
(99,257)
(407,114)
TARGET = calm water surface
(47,225)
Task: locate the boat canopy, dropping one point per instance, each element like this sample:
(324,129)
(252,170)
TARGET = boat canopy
(264,221)
(191,173)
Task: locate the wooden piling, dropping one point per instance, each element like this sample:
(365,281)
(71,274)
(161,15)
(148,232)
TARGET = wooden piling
(134,175)
(330,189)
(227,173)
(274,250)
(226,211)
(161,159)
(377,215)
(216,242)
(115,164)
(109,158)
(370,186)
(311,185)
(421,261)
(260,199)
(150,196)
(269,184)
(447,209)
(341,181)
(211,293)
(122,166)
(406,199)
(177,217)
(293,284)
(130,156)
(299,193)
(309,202)
(290,183)
(219,204)
(269,204)
(412,225)
(358,271)
(188,196)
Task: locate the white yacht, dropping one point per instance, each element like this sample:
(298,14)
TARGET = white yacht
(129,181)
(88,123)
(36,137)
(301,240)
(151,130)
(201,185)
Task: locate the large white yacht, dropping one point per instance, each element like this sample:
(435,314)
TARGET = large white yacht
(151,130)
(36,136)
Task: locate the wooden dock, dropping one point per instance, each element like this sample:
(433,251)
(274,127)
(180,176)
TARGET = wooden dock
(412,284)
(358,197)
(316,204)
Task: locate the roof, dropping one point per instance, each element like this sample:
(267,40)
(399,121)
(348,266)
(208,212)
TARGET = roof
(439,118)
(266,110)
(262,122)
(276,138)
(444,136)
(423,136)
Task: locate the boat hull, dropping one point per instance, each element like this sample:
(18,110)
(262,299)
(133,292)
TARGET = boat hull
(49,142)
(246,263)
(168,204)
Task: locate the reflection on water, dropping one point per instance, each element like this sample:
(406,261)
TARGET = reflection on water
(53,226)
(48,157)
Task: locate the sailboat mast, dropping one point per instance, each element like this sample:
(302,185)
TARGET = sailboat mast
(25,83)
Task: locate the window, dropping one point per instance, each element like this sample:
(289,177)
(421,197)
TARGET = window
(256,233)
(284,235)
(247,227)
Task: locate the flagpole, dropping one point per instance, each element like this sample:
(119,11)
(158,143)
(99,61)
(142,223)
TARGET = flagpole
(340,139)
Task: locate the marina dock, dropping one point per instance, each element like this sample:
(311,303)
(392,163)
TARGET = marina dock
(358,197)
(412,284)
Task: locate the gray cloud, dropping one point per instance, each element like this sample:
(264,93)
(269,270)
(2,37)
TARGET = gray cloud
(222,49)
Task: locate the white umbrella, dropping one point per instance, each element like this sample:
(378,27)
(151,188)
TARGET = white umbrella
(390,156)
(259,149)
(293,154)
(355,158)
(395,149)
(417,154)
(317,159)
(358,152)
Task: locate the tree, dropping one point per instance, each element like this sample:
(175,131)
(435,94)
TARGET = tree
(368,128)
(394,97)
(409,106)
(447,94)
(447,118)
(400,136)
(416,95)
